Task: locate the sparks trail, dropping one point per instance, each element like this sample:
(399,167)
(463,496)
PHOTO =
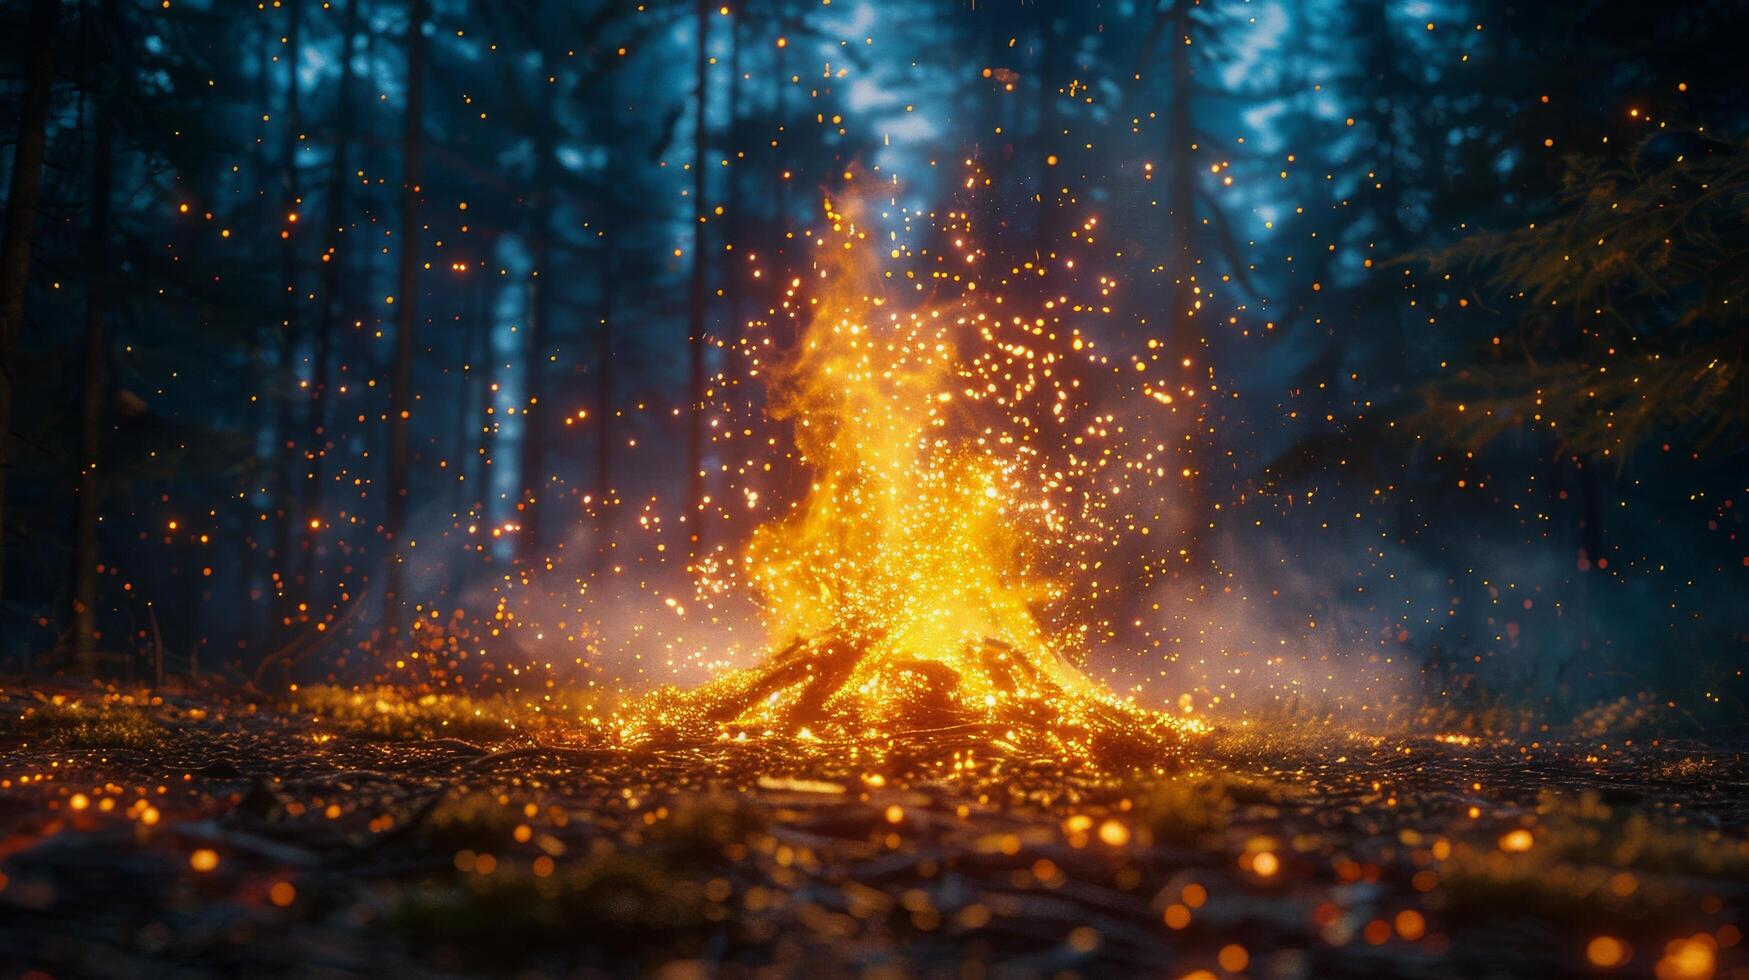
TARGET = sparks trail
(957,472)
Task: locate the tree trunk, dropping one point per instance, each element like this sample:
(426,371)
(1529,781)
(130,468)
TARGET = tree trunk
(695,340)
(479,354)
(780,110)
(1181,181)
(27,168)
(461,426)
(604,384)
(734,227)
(1047,230)
(328,299)
(533,462)
(262,608)
(1181,340)
(1386,85)
(532,455)
(285,444)
(94,383)
(401,386)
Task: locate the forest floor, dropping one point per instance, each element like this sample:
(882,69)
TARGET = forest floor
(373,835)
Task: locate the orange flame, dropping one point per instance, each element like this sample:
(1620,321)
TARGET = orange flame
(901,592)
(911,540)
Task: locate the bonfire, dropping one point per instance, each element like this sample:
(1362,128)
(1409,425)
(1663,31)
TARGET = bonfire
(900,593)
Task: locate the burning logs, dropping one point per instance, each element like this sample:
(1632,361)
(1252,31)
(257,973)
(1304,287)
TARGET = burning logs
(991,700)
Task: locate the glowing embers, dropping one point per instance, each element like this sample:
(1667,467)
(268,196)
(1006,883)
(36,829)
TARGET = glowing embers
(833,682)
(948,486)
(991,700)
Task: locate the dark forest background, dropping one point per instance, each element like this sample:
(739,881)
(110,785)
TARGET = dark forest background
(322,316)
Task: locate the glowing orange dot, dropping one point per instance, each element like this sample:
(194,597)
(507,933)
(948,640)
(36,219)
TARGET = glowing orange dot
(1233,958)
(1606,951)
(204,859)
(1516,841)
(282,893)
(1265,864)
(1114,834)
(1688,959)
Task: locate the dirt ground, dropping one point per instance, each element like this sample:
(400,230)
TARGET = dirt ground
(364,834)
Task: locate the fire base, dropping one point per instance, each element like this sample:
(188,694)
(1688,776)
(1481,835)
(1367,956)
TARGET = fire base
(990,701)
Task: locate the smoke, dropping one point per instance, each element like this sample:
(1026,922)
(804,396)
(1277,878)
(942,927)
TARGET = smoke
(1274,634)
